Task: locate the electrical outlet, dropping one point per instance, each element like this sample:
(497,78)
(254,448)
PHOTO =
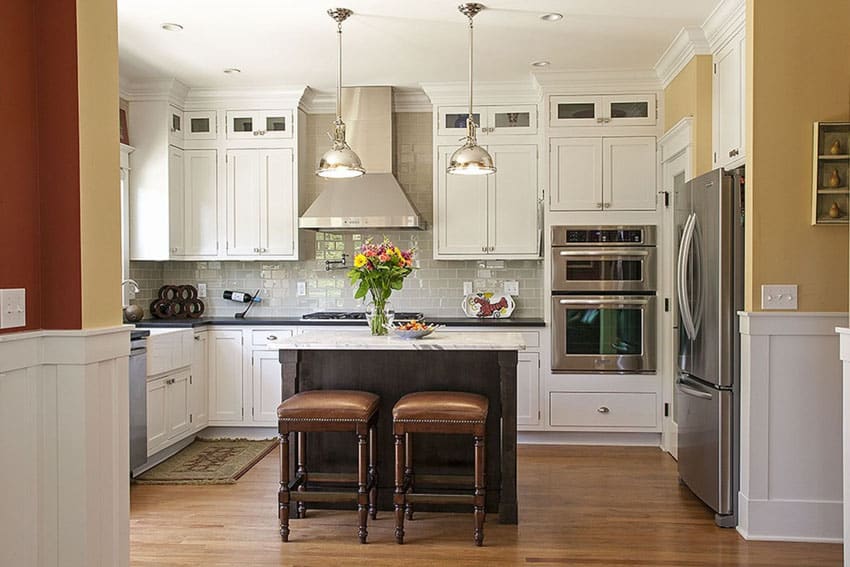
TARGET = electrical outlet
(512,288)
(467,288)
(301,289)
(13,308)
(779,297)
(202,290)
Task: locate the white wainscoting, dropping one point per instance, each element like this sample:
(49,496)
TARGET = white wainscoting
(64,442)
(791,471)
(845,363)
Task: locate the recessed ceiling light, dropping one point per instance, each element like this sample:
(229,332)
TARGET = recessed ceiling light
(170,26)
(540,63)
(232,70)
(552,17)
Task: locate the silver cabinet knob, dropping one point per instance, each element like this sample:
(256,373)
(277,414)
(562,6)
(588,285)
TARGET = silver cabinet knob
(603,409)
(256,249)
(598,205)
(271,338)
(197,338)
(606,205)
(599,120)
(733,153)
(174,250)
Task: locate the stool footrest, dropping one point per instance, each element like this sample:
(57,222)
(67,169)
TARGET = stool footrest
(445,479)
(426,498)
(323,496)
(331,477)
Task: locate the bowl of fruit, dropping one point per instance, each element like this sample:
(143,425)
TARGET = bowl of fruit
(412,330)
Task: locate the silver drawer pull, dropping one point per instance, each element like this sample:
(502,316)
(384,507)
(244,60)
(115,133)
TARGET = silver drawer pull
(271,338)
(609,252)
(603,409)
(604,301)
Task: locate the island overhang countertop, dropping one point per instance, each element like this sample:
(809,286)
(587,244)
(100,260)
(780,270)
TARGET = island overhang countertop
(363,340)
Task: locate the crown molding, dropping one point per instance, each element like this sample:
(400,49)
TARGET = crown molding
(269,97)
(726,20)
(494,92)
(405,99)
(171,90)
(597,81)
(688,43)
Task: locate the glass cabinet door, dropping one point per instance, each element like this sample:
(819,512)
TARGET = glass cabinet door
(575,111)
(200,125)
(175,126)
(511,119)
(629,110)
(241,124)
(452,120)
(275,124)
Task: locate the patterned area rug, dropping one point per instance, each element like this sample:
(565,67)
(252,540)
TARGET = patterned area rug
(209,461)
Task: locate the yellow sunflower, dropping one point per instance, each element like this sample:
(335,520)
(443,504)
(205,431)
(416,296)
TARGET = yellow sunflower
(359,261)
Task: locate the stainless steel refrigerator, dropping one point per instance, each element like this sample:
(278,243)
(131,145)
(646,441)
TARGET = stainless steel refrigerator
(709,212)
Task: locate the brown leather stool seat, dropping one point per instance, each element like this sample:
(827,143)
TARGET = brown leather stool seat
(328,410)
(438,412)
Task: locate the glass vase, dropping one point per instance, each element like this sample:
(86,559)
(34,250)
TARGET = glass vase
(380,315)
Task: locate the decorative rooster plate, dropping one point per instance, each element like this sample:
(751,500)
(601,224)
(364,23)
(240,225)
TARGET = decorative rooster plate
(488,305)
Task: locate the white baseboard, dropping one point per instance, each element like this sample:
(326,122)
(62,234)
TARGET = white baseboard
(790,520)
(588,438)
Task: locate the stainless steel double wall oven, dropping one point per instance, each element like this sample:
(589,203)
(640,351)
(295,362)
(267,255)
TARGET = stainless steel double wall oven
(603,298)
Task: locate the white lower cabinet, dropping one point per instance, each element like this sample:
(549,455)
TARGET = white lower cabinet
(199,393)
(603,409)
(528,389)
(167,410)
(266,386)
(225,377)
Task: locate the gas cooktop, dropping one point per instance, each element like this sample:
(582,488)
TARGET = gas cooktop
(356,316)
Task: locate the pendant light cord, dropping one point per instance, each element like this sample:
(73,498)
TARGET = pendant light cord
(470,121)
(339,73)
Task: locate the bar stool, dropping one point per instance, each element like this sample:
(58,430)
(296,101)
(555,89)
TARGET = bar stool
(328,410)
(438,412)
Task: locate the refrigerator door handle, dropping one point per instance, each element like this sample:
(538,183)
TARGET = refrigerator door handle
(691,392)
(682,275)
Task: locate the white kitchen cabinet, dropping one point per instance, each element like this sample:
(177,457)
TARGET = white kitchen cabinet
(266,386)
(157,411)
(729,103)
(491,120)
(599,410)
(177,404)
(175,126)
(226,401)
(259,124)
(616,174)
(200,125)
(603,110)
(194,203)
(262,204)
(199,397)
(494,215)
(167,410)
(528,389)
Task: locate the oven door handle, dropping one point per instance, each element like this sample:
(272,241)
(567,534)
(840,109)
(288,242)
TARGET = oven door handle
(682,276)
(612,301)
(608,252)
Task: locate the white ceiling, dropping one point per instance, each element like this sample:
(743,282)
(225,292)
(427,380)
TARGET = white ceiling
(390,42)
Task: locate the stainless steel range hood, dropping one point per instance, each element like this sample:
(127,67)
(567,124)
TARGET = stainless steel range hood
(374,200)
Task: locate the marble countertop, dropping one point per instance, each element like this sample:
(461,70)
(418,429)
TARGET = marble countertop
(284,321)
(363,340)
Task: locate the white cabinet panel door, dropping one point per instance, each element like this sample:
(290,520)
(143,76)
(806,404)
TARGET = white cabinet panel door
(528,389)
(629,176)
(576,166)
(266,382)
(175,126)
(461,210)
(200,203)
(199,397)
(176,202)
(729,94)
(278,204)
(243,202)
(225,376)
(156,411)
(177,402)
(513,226)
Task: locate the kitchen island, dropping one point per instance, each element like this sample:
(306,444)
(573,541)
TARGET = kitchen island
(478,362)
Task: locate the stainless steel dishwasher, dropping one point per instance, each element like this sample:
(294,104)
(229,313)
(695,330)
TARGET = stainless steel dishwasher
(138,399)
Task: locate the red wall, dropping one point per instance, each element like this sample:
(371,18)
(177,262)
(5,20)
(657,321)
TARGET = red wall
(39,158)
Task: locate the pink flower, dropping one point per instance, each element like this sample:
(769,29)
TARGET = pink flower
(369,253)
(384,257)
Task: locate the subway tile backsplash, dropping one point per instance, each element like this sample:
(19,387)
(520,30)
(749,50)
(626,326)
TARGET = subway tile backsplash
(435,287)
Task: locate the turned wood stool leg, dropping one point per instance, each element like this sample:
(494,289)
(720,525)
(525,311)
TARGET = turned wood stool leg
(373,475)
(301,472)
(283,491)
(398,495)
(362,494)
(478,500)
(408,473)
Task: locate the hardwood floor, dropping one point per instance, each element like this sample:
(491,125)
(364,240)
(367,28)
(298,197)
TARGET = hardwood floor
(578,506)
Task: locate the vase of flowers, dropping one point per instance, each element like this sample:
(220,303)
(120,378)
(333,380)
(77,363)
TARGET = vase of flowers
(378,270)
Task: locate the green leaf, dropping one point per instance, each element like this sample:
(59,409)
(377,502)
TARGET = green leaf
(362,290)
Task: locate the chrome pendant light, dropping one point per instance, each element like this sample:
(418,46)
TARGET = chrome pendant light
(340,161)
(470,158)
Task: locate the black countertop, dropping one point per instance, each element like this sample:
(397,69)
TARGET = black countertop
(297,321)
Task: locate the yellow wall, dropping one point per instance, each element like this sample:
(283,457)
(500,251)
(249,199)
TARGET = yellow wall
(100,218)
(689,94)
(798,72)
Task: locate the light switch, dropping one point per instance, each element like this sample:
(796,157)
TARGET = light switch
(13,308)
(512,288)
(467,288)
(779,297)
(202,290)
(300,289)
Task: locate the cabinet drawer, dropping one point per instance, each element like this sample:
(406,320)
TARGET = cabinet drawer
(602,409)
(261,337)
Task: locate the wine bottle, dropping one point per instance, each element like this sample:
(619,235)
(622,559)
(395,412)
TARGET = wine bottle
(237,296)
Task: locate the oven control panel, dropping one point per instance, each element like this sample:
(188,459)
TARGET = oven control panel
(622,235)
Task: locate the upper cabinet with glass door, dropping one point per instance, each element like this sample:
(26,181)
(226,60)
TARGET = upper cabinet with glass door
(491,120)
(262,124)
(200,125)
(609,110)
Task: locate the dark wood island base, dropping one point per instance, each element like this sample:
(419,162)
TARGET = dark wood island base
(391,374)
